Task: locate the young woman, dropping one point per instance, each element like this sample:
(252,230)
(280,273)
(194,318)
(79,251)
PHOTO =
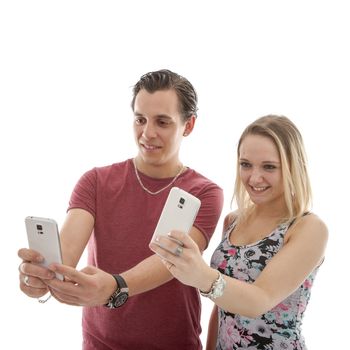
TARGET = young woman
(262,272)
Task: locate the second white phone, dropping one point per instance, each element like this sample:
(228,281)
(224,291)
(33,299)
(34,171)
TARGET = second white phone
(179,212)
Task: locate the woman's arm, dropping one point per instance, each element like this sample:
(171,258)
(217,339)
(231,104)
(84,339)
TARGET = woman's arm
(301,254)
(151,272)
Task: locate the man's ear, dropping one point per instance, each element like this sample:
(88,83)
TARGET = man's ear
(189,125)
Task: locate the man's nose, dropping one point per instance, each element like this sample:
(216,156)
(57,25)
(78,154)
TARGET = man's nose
(149,131)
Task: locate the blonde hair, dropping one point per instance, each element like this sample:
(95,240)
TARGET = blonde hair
(288,140)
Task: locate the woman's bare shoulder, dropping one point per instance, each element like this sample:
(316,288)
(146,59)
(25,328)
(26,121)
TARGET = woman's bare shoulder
(230,217)
(310,224)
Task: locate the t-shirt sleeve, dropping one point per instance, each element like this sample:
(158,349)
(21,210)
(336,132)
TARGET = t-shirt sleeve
(84,193)
(209,213)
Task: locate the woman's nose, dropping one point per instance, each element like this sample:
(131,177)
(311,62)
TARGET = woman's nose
(256,176)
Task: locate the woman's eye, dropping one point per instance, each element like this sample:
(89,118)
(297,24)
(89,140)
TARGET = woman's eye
(269,167)
(244,165)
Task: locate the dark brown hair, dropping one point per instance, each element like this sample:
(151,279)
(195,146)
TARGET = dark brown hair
(165,80)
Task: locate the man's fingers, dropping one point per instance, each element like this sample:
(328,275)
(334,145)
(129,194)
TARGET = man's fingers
(64,298)
(70,272)
(89,270)
(32,287)
(30,269)
(31,281)
(33,292)
(30,255)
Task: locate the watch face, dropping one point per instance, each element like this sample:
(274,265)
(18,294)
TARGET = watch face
(120,299)
(120,296)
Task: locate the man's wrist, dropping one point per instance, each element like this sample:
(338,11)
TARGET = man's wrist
(120,295)
(111,287)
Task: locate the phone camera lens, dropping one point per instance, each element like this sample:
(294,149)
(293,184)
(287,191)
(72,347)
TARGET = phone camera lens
(39,227)
(182,200)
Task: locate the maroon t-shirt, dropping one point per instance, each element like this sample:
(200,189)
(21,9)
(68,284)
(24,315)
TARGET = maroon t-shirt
(167,317)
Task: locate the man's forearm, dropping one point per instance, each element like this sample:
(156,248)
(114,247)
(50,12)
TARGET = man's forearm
(147,275)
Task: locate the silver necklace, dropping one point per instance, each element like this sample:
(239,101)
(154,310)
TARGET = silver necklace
(162,189)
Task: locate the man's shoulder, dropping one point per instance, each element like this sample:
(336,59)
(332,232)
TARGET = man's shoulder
(201,180)
(106,172)
(114,167)
(203,188)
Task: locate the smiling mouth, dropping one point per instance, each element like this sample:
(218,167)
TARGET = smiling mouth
(150,147)
(259,189)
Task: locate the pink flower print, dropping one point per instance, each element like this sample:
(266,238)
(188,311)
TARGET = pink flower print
(232,251)
(301,307)
(246,340)
(307,284)
(282,307)
(217,258)
(229,333)
(235,335)
(223,265)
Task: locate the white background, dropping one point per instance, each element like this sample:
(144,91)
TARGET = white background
(66,73)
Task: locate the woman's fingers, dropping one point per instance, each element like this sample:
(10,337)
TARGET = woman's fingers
(183,238)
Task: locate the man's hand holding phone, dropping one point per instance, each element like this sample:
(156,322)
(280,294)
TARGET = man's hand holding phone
(32,275)
(44,249)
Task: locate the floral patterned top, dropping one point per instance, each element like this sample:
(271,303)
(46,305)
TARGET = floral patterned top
(279,328)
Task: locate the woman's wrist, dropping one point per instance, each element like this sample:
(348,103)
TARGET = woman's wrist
(217,287)
(207,282)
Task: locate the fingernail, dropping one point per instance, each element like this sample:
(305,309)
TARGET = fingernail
(21,267)
(39,259)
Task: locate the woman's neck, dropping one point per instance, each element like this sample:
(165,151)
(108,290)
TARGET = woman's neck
(276,211)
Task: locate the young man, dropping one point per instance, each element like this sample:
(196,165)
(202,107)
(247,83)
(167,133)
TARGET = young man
(130,299)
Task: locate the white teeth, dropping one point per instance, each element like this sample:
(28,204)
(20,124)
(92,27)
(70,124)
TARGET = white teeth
(259,189)
(150,147)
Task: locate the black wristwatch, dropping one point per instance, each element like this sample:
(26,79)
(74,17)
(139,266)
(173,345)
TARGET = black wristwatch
(120,296)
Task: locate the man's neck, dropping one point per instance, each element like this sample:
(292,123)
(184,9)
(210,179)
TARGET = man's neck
(160,171)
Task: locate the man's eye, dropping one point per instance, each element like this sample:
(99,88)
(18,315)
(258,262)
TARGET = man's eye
(139,121)
(163,123)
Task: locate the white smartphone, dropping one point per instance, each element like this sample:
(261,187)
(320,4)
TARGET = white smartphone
(43,237)
(179,212)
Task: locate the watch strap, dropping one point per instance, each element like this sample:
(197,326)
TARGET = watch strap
(217,288)
(120,295)
(121,284)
